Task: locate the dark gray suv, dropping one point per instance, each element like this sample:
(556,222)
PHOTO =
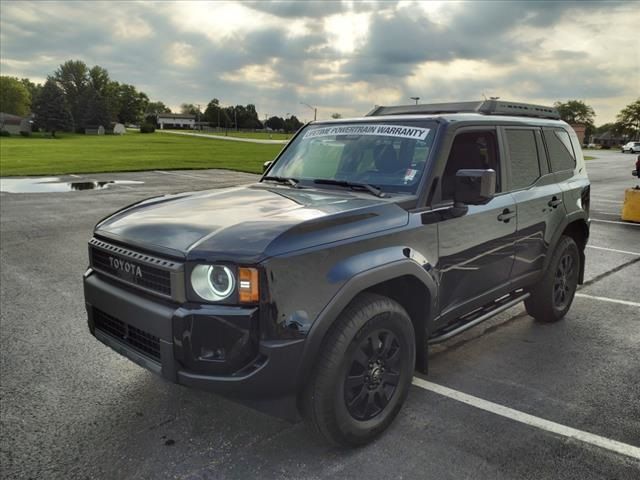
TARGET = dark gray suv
(319,288)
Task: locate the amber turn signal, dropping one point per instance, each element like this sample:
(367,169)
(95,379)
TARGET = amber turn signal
(248,285)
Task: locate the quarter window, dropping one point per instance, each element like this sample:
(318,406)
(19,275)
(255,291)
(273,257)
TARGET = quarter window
(561,152)
(523,154)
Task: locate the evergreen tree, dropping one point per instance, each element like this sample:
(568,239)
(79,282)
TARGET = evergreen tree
(50,109)
(96,111)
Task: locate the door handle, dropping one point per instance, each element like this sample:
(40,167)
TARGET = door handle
(506,215)
(554,202)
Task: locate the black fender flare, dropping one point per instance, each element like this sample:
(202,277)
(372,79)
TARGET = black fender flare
(355,285)
(580,217)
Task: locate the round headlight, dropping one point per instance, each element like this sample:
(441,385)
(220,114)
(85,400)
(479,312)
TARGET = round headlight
(213,282)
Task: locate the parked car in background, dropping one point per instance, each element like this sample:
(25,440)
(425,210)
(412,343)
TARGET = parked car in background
(631,147)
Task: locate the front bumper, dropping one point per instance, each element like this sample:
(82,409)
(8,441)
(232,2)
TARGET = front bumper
(210,347)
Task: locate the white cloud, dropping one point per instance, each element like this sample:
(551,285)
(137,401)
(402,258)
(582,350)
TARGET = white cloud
(182,54)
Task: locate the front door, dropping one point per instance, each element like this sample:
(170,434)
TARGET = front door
(476,250)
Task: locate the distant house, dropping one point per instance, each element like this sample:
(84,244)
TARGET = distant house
(94,130)
(14,124)
(175,120)
(608,139)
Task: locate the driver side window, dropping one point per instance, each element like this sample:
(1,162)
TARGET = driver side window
(471,150)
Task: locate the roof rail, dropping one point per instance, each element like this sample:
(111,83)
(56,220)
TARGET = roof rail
(487,107)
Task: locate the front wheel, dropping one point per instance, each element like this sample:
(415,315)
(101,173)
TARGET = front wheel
(363,374)
(551,298)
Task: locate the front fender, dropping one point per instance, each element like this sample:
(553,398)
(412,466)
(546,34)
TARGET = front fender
(400,263)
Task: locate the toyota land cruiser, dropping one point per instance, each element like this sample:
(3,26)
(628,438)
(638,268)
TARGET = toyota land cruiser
(365,241)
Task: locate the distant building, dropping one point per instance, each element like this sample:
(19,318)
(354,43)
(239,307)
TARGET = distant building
(15,124)
(608,139)
(580,129)
(175,120)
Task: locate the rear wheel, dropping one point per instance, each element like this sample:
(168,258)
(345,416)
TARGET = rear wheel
(551,298)
(364,372)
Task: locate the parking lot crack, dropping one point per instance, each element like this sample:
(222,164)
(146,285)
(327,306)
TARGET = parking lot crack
(597,278)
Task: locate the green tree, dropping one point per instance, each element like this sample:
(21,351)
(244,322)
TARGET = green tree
(576,111)
(190,109)
(629,119)
(275,123)
(73,77)
(50,109)
(292,124)
(33,88)
(336,115)
(96,109)
(215,114)
(14,96)
(156,107)
(133,104)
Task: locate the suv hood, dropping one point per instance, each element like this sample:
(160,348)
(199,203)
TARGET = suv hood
(250,222)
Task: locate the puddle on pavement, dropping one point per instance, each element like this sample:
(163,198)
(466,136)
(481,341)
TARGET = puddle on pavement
(53,184)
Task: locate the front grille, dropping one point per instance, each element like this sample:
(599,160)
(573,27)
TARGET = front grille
(138,269)
(142,341)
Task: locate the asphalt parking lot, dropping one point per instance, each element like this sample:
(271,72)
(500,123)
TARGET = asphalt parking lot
(72,408)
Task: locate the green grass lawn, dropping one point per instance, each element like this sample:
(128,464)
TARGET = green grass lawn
(588,157)
(74,153)
(233,133)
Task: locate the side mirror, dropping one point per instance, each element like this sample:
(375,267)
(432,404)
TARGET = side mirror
(475,187)
(266,165)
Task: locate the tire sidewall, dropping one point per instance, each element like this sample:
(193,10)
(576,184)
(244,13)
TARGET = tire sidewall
(571,248)
(358,431)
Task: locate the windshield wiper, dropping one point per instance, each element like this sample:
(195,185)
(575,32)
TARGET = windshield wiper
(286,180)
(354,185)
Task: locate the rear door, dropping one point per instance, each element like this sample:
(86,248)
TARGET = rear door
(538,198)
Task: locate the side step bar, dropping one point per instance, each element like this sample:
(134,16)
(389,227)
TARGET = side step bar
(478,316)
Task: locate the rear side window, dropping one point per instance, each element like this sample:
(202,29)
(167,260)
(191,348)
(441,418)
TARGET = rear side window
(560,150)
(523,155)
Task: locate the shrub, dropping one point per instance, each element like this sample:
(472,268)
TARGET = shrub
(147,127)
(25,134)
(4,133)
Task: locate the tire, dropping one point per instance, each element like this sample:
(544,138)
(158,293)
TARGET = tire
(552,297)
(357,387)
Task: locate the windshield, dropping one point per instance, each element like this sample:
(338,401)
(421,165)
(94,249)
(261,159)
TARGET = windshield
(389,155)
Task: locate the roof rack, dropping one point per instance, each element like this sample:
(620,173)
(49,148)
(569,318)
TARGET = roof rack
(487,107)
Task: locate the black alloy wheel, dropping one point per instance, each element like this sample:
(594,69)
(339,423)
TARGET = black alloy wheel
(551,298)
(565,283)
(373,376)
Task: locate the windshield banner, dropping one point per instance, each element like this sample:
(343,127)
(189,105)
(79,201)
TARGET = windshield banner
(416,133)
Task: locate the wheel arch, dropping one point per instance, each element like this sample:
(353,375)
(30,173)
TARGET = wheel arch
(576,227)
(404,281)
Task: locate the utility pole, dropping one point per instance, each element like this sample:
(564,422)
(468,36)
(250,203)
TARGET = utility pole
(315,110)
(235,117)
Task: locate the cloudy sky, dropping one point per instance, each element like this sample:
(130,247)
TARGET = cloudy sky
(339,56)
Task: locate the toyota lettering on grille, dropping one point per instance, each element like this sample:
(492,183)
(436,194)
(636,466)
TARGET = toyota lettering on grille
(124,267)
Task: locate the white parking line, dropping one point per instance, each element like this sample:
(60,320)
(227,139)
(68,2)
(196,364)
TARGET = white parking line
(607,299)
(626,252)
(541,423)
(619,223)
